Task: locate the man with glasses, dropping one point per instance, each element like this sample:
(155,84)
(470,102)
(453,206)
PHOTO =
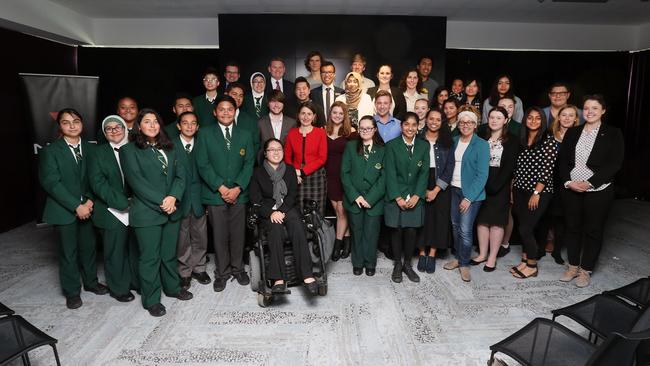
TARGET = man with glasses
(558,94)
(325,94)
(204,103)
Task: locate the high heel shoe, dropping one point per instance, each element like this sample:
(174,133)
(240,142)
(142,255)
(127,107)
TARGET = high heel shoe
(519,274)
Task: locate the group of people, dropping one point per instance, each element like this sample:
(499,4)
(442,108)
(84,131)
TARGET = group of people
(426,164)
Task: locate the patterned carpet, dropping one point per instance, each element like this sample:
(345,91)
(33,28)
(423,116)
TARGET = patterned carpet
(362,321)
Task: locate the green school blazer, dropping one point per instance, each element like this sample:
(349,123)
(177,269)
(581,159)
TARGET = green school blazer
(219,166)
(204,110)
(248,122)
(406,176)
(65,181)
(143,172)
(361,177)
(106,184)
(191,201)
(171,130)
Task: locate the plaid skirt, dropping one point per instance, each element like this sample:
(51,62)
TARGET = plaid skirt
(314,188)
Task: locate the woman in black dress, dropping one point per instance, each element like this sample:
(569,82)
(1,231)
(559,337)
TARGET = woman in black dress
(274,186)
(435,233)
(339,132)
(493,215)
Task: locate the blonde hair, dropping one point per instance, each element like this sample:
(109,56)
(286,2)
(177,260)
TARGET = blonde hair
(555,126)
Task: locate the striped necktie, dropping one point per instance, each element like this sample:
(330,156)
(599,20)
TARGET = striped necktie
(77,153)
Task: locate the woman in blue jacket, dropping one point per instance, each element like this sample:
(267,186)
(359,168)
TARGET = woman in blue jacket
(471,167)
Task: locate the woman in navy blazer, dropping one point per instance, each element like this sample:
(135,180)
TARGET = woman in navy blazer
(472,158)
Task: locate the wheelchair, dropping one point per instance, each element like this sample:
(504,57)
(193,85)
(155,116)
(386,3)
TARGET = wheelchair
(320,239)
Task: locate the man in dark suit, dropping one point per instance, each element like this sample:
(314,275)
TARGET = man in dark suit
(276,81)
(302,95)
(275,124)
(231,75)
(325,94)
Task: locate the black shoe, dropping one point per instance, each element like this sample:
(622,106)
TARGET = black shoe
(487,268)
(311,287)
(558,258)
(127,297)
(422,263)
(279,288)
(370,271)
(182,295)
(157,310)
(503,251)
(186,282)
(219,284)
(73,302)
(98,290)
(431,264)
(475,263)
(410,273)
(347,247)
(203,278)
(397,273)
(357,271)
(242,278)
(336,252)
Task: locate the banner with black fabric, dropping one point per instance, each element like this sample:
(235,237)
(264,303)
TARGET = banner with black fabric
(45,95)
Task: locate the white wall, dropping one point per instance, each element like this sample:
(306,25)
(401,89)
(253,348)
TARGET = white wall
(536,36)
(186,33)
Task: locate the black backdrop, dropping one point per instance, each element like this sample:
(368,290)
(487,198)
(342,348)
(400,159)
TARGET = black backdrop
(154,75)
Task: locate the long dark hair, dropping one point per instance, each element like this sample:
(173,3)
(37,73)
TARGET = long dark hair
(402,82)
(162,141)
(444,133)
(376,138)
(494,93)
(504,131)
(523,136)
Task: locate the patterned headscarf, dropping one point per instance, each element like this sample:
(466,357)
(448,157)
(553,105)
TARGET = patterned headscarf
(353,97)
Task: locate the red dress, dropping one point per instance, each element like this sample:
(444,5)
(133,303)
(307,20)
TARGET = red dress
(335,149)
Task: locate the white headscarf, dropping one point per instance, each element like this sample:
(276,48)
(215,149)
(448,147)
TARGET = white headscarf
(118,119)
(256,94)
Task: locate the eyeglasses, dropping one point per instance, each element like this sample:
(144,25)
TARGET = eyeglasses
(466,123)
(115,129)
(558,94)
(365,130)
(210,80)
(274,150)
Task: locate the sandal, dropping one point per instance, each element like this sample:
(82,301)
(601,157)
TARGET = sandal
(514,268)
(519,274)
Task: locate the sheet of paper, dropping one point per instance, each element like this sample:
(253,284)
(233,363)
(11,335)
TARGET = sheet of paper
(123,216)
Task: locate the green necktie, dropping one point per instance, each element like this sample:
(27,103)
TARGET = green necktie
(228,137)
(187,148)
(410,149)
(258,106)
(161,159)
(77,153)
(366,151)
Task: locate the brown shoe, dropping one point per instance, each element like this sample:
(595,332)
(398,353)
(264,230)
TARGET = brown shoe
(584,277)
(570,274)
(465,274)
(452,264)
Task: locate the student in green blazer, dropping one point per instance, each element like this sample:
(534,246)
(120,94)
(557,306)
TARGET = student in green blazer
(127,109)
(109,189)
(255,103)
(156,177)
(407,172)
(225,159)
(363,180)
(182,104)
(192,244)
(243,119)
(63,175)
(204,104)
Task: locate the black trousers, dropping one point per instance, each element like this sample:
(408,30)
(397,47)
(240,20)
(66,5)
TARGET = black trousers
(276,236)
(228,232)
(403,241)
(528,220)
(585,215)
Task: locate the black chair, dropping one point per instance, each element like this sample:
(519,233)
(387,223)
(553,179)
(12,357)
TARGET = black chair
(544,342)
(4,311)
(637,292)
(18,337)
(601,315)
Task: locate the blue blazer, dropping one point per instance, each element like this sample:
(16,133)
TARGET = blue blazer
(474,168)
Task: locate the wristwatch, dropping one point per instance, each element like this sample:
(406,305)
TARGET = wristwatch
(536,192)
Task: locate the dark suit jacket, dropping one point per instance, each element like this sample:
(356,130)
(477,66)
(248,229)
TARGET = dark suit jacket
(398,98)
(288,89)
(261,191)
(316,95)
(266,131)
(496,182)
(605,159)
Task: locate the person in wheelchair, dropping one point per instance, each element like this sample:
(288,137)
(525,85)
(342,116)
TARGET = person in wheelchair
(274,188)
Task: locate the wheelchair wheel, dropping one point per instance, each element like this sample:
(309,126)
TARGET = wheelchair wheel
(254,270)
(322,289)
(264,300)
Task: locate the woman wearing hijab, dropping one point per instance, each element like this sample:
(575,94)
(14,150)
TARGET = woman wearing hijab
(255,102)
(274,186)
(111,201)
(358,102)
